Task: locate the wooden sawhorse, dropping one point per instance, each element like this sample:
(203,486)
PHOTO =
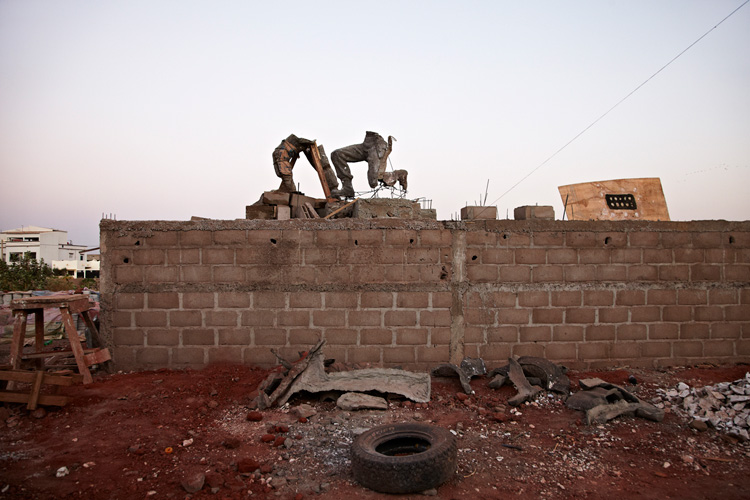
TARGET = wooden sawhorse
(68,305)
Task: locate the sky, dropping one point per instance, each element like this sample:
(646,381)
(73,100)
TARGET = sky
(167,109)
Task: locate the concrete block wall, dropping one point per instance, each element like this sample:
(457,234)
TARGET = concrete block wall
(418,293)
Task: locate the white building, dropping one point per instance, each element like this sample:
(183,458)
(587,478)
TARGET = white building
(50,245)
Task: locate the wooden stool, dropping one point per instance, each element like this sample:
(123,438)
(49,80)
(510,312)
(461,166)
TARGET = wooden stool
(68,305)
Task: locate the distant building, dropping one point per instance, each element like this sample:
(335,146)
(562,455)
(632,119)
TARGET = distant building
(50,245)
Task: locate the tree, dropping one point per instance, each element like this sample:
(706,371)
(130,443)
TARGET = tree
(25,274)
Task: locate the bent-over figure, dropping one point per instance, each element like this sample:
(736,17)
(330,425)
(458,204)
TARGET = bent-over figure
(374,150)
(286,155)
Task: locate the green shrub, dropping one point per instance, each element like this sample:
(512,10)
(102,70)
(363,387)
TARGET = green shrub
(24,274)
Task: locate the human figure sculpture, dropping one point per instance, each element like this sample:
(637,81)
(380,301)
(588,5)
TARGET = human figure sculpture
(374,150)
(286,155)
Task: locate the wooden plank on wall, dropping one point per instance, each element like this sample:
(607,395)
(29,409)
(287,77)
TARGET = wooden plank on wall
(589,200)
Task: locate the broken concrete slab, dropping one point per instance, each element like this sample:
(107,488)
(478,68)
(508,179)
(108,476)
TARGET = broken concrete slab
(314,379)
(451,370)
(603,401)
(606,412)
(551,375)
(585,400)
(498,381)
(525,390)
(350,401)
(470,367)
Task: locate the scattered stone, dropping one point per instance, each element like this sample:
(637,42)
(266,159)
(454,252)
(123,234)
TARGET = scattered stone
(193,483)
(279,441)
(699,425)
(357,401)
(267,438)
(461,396)
(231,443)
(214,480)
(247,465)
(303,411)
(255,416)
(39,413)
(266,469)
(62,472)
(724,406)
(430,493)
(302,420)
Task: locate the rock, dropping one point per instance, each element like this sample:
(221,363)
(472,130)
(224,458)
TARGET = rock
(214,480)
(193,482)
(39,413)
(255,416)
(267,438)
(357,401)
(247,465)
(430,493)
(461,396)
(278,482)
(62,472)
(266,469)
(231,443)
(303,411)
(279,441)
(699,425)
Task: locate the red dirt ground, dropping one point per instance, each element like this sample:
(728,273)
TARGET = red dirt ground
(115,434)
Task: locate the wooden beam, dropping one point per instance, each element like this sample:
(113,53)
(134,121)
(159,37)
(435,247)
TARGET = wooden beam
(341,208)
(319,168)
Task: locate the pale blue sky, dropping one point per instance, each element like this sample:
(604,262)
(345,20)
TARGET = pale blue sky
(168,109)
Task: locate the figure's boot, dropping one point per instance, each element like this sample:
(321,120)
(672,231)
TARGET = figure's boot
(346,191)
(331,180)
(287,184)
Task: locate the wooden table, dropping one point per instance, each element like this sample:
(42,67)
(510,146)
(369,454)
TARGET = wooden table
(68,305)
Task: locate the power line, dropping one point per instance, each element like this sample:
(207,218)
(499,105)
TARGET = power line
(579,134)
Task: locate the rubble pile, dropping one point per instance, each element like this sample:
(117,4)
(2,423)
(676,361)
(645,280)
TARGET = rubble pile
(724,406)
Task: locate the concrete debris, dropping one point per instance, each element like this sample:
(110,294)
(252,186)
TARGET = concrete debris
(355,401)
(724,406)
(526,391)
(551,376)
(470,367)
(309,375)
(603,401)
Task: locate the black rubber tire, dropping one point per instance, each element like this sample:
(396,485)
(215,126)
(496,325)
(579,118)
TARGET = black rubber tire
(409,473)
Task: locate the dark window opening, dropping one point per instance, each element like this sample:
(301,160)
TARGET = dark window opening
(620,201)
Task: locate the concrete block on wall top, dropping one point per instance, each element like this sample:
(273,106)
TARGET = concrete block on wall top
(478,212)
(544,212)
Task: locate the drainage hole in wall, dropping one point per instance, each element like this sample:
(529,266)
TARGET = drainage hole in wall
(126,260)
(273,240)
(356,242)
(607,240)
(137,243)
(505,236)
(443,273)
(473,257)
(731,240)
(411,241)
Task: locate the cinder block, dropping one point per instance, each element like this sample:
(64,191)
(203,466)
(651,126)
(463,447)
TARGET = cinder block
(398,355)
(185,318)
(329,318)
(260,212)
(386,208)
(283,213)
(544,212)
(198,337)
(411,336)
(567,333)
(163,300)
(225,355)
(162,337)
(478,213)
(122,337)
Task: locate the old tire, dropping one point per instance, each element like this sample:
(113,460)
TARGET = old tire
(404,458)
